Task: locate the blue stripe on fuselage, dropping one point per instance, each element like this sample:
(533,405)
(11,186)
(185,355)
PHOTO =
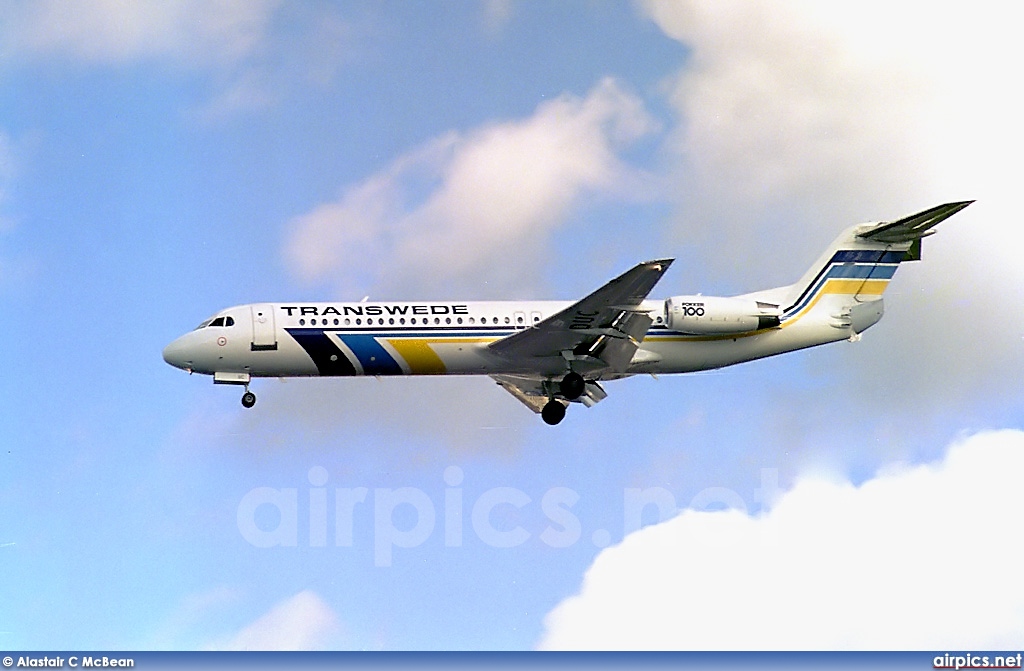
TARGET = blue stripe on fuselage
(867,272)
(374,359)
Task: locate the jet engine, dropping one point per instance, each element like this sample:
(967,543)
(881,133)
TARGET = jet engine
(711,315)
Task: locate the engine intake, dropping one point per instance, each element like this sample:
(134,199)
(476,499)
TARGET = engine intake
(710,315)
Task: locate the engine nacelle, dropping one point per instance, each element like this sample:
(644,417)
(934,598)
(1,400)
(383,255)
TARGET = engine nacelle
(710,315)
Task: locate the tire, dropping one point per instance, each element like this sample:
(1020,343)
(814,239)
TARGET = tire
(572,386)
(248,399)
(553,412)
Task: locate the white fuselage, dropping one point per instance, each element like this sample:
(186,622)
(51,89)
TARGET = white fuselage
(451,338)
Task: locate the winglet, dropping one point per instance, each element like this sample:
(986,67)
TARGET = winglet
(914,227)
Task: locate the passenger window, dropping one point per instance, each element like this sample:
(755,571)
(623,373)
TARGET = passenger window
(507,320)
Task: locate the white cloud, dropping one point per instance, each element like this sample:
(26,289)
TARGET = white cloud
(497,14)
(855,111)
(301,622)
(915,558)
(467,203)
(193,614)
(247,92)
(774,108)
(252,52)
(189,32)
(797,119)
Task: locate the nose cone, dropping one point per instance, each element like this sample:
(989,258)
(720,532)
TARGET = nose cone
(176,355)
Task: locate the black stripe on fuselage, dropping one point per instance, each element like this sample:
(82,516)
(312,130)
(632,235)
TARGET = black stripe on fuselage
(328,358)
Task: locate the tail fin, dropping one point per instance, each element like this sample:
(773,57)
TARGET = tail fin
(857,267)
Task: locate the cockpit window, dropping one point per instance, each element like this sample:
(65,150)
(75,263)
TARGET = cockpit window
(217,321)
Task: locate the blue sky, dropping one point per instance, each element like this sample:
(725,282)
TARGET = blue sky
(161,161)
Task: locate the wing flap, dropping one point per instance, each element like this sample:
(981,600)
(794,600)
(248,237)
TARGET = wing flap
(533,393)
(616,349)
(528,392)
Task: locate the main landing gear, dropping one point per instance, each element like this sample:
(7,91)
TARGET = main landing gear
(248,399)
(571,387)
(553,412)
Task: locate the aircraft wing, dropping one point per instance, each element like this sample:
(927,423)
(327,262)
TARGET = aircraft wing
(599,332)
(532,393)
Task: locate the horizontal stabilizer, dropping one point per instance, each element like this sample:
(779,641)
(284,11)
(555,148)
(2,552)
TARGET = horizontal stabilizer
(914,227)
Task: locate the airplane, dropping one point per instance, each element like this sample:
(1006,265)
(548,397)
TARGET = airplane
(549,354)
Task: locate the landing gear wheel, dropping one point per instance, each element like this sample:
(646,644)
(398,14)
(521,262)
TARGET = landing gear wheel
(553,412)
(248,399)
(572,386)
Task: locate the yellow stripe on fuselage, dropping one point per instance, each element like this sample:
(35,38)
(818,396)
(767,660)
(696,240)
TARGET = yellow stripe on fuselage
(418,355)
(421,357)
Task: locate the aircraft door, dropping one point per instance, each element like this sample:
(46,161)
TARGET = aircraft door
(264,334)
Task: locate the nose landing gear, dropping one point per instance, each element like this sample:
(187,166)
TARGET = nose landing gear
(240,379)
